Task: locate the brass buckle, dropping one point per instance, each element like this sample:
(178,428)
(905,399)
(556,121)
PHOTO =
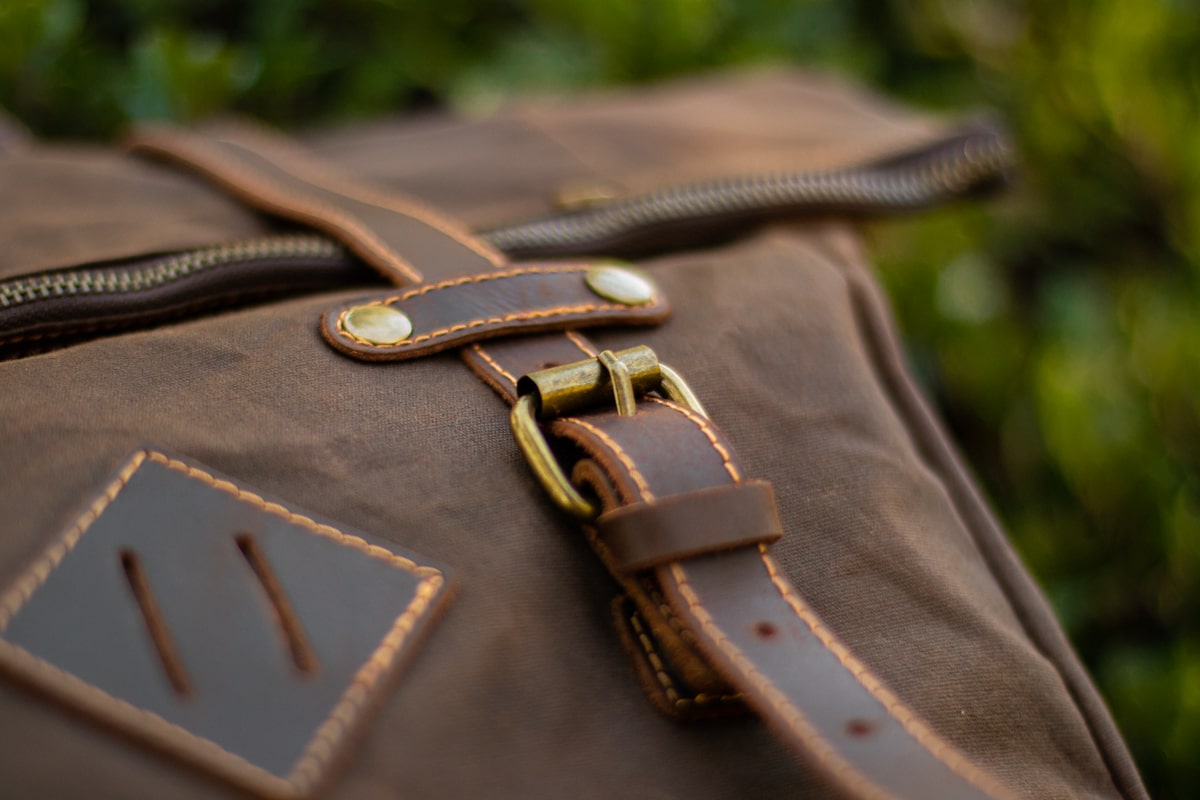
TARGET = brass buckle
(553,392)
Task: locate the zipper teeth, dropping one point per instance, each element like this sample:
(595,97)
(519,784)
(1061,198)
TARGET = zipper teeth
(944,171)
(139,277)
(948,170)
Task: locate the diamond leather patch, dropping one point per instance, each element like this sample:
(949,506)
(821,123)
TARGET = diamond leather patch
(230,631)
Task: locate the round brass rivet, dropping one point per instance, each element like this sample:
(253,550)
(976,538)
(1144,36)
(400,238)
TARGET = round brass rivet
(378,324)
(620,284)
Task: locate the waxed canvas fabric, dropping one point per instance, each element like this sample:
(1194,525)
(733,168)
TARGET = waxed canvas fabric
(522,689)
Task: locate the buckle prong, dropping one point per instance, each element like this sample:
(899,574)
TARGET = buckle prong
(622,384)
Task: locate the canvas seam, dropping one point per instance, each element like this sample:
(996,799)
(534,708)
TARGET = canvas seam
(893,380)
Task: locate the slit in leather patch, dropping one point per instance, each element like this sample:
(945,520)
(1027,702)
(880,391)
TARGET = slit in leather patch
(248,639)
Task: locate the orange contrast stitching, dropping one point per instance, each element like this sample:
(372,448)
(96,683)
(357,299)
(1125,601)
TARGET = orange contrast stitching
(820,748)
(40,570)
(480,278)
(638,478)
(799,724)
(273,197)
(96,700)
(581,343)
(938,747)
(474,279)
(491,362)
(664,679)
(327,531)
(320,749)
(516,316)
(668,613)
(318,173)
(709,433)
(665,683)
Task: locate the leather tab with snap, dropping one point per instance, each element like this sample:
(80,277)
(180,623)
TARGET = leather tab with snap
(432,317)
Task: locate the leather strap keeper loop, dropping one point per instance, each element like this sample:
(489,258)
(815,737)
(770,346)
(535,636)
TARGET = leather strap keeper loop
(646,535)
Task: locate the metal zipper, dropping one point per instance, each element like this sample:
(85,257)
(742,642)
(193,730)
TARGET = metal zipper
(40,312)
(148,274)
(57,305)
(951,168)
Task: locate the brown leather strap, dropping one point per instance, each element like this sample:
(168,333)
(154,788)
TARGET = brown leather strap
(735,606)
(757,631)
(268,174)
(644,535)
(457,311)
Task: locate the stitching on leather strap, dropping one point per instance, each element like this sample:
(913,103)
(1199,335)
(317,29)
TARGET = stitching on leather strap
(934,744)
(664,608)
(706,429)
(482,277)
(265,193)
(491,362)
(666,682)
(792,717)
(820,748)
(938,747)
(517,316)
(622,456)
(582,343)
(311,170)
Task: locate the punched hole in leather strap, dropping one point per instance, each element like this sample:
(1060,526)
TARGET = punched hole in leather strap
(646,535)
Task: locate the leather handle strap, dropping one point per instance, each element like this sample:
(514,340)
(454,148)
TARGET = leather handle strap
(714,578)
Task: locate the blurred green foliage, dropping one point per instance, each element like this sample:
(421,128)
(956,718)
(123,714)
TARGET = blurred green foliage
(1059,328)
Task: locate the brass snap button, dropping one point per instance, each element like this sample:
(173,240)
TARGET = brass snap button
(377,324)
(620,284)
